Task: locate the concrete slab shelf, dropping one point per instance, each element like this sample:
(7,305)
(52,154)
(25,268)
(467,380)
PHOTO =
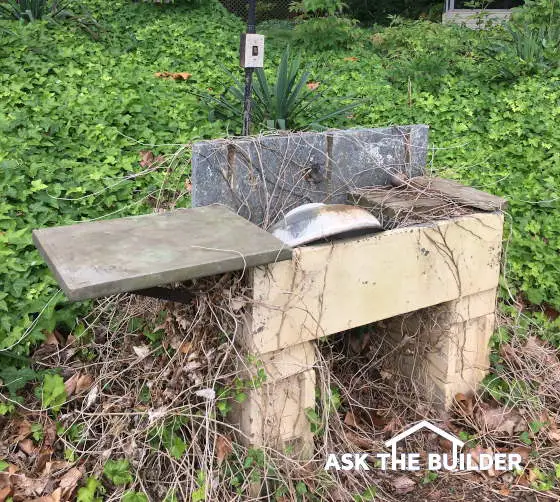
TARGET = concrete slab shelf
(102,258)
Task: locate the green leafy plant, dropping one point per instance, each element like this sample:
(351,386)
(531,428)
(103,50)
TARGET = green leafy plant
(543,481)
(52,392)
(118,471)
(36,190)
(512,392)
(477,4)
(321,25)
(528,50)
(169,436)
(468,439)
(171,497)
(89,492)
(424,70)
(525,438)
(239,468)
(326,33)
(26,9)
(334,399)
(145,395)
(315,420)
(37,432)
(54,10)
(254,466)
(537,13)
(301,488)
(285,103)
(480,14)
(237,390)
(224,400)
(366,496)
(430,477)
(6,408)
(74,433)
(318,7)
(131,496)
(532,40)
(200,493)
(332,402)
(15,379)
(174,444)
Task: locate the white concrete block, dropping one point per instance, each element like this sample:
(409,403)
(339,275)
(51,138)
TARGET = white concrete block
(328,288)
(274,414)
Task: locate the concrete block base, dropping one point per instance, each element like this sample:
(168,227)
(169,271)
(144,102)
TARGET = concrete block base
(274,413)
(448,269)
(447,346)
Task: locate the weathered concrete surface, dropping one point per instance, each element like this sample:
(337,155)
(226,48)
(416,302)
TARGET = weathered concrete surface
(368,157)
(264,177)
(274,413)
(101,258)
(329,288)
(448,350)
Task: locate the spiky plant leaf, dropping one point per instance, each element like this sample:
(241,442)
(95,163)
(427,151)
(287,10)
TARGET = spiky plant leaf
(284,103)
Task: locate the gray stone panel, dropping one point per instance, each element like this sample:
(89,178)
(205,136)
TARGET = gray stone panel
(367,157)
(263,177)
(277,173)
(418,149)
(101,258)
(210,174)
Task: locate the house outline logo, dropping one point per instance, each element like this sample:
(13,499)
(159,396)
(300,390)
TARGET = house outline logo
(431,461)
(424,424)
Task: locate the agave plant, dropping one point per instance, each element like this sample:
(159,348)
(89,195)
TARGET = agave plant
(54,10)
(528,50)
(24,9)
(290,101)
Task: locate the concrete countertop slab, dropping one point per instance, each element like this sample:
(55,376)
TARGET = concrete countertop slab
(101,258)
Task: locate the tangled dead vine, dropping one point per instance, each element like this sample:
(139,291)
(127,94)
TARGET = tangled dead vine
(153,382)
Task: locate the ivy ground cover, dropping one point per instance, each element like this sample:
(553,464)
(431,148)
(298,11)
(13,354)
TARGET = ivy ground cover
(75,115)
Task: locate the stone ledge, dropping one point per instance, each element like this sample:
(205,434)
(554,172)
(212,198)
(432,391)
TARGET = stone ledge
(329,288)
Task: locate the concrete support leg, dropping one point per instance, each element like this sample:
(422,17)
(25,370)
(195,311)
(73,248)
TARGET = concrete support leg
(274,414)
(448,352)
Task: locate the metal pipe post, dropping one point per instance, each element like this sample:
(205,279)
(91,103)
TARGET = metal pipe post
(251,28)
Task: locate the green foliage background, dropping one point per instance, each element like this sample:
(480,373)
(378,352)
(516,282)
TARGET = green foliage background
(74,114)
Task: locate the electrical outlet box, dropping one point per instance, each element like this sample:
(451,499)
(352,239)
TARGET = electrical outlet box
(252,50)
